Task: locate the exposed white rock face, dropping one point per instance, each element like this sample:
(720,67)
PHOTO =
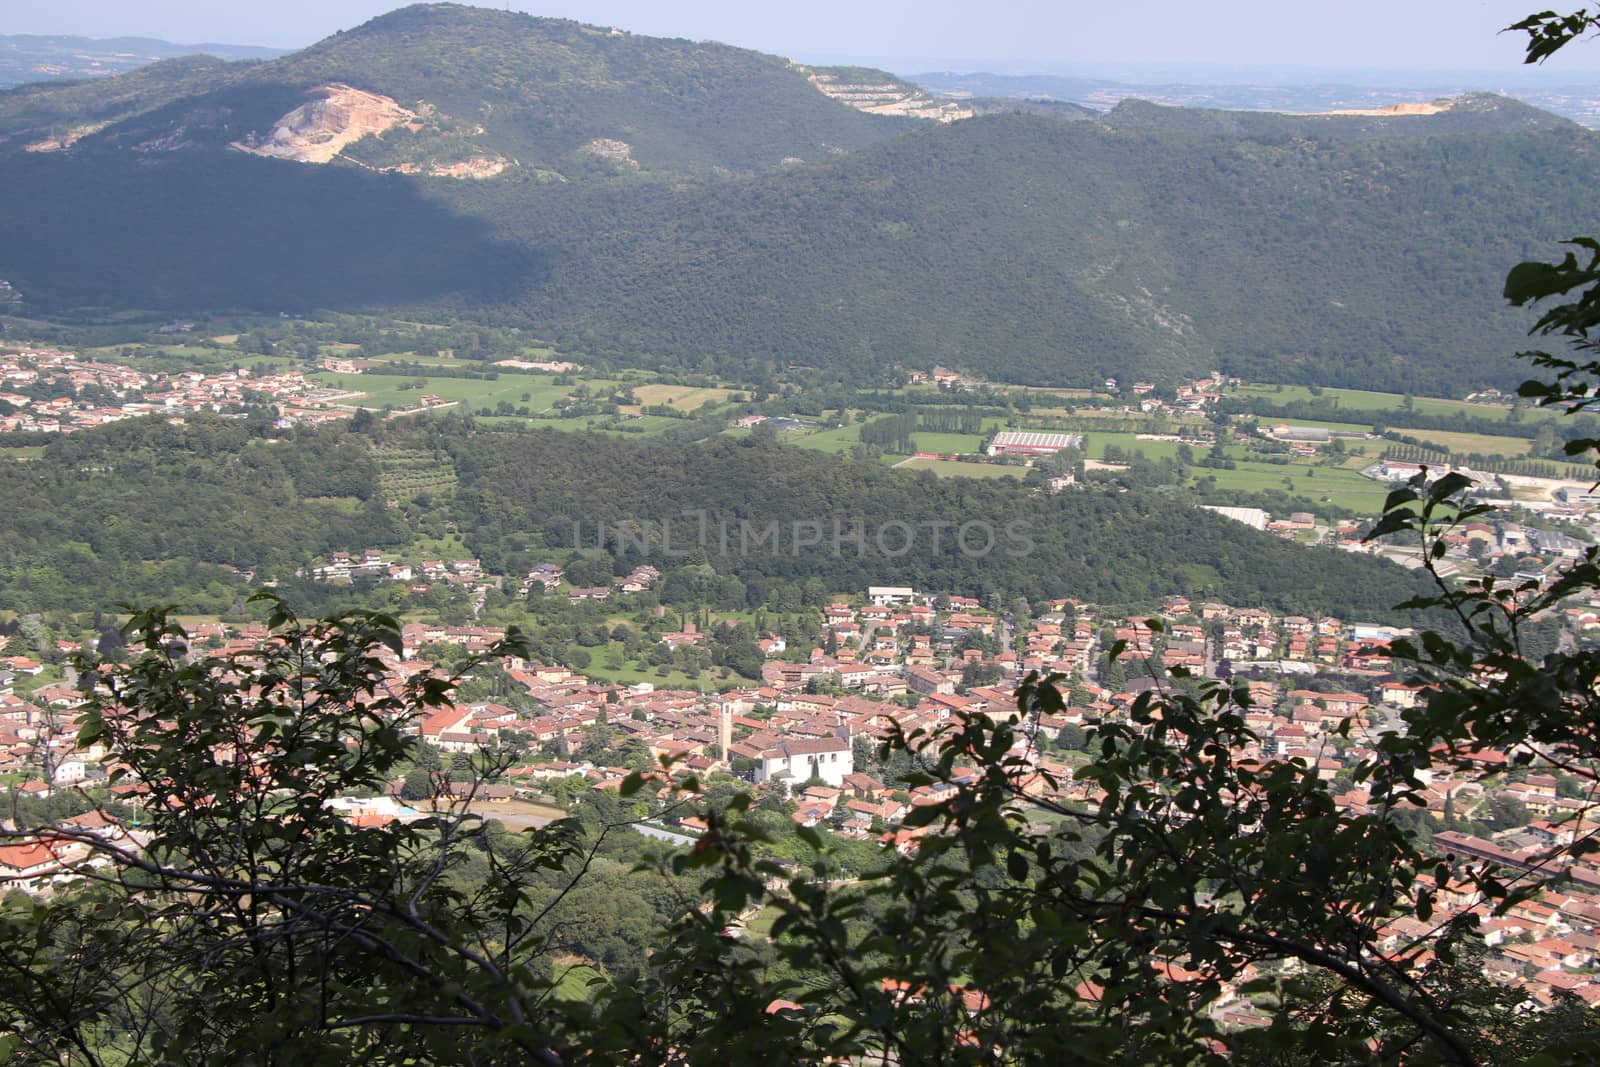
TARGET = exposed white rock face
(608,148)
(62,141)
(318,130)
(889,98)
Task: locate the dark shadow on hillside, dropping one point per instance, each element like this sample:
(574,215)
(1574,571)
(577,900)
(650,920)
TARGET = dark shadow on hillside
(210,229)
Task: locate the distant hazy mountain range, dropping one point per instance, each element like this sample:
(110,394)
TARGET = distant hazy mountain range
(672,202)
(1577,101)
(29,58)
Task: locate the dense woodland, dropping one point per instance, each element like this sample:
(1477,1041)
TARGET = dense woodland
(1049,252)
(146,509)
(1104,547)
(489,82)
(1150,242)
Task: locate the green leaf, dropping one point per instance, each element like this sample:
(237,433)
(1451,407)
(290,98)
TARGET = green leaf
(1449,485)
(1534,281)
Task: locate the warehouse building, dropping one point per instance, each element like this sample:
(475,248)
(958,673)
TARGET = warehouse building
(1023,443)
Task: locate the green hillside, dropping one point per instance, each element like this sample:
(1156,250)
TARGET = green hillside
(636,206)
(144,509)
(40,109)
(1103,546)
(151,512)
(533,92)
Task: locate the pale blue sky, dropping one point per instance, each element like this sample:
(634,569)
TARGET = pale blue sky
(1392,34)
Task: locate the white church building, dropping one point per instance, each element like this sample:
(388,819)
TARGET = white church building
(805,758)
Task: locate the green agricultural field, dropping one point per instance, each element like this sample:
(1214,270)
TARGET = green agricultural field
(448,547)
(1465,443)
(1366,402)
(629,672)
(837,441)
(1338,486)
(950,468)
(1129,443)
(681,397)
(381,390)
(946,444)
(279,364)
(1349,427)
(1355,454)
(404,473)
(645,425)
(178,356)
(183,351)
(1359,454)
(760,925)
(1034,391)
(392,358)
(1094,413)
(573,982)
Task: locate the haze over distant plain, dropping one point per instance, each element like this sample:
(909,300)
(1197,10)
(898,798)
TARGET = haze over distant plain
(1232,38)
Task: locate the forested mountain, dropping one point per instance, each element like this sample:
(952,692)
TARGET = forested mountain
(544,97)
(632,204)
(1048,252)
(144,509)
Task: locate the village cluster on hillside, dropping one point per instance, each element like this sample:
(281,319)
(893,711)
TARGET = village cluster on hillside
(53,391)
(1321,692)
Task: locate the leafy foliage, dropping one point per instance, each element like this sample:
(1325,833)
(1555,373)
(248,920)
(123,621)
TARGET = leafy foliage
(299,935)
(1548,31)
